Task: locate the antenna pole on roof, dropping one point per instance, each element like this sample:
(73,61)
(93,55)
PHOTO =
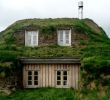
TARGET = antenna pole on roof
(80,9)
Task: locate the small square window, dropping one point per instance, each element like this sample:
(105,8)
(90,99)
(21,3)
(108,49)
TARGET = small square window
(29,82)
(58,77)
(64,82)
(29,77)
(31,38)
(64,77)
(35,82)
(29,72)
(64,72)
(64,37)
(35,77)
(36,73)
(58,72)
(58,82)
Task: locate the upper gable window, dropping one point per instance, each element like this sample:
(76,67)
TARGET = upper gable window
(31,38)
(64,37)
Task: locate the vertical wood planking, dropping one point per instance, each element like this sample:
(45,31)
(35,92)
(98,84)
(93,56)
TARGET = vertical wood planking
(46,74)
(41,70)
(49,75)
(76,76)
(69,76)
(73,74)
(52,74)
(42,75)
(79,76)
(72,79)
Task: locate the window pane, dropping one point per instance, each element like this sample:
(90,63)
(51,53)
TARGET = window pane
(67,41)
(64,72)
(29,82)
(35,77)
(58,82)
(29,38)
(29,77)
(58,72)
(29,72)
(36,73)
(61,36)
(67,36)
(35,82)
(58,78)
(67,31)
(64,82)
(34,39)
(65,78)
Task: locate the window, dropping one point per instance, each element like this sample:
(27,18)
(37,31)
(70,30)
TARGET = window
(62,78)
(33,78)
(64,37)
(29,77)
(31,38)
(58,77)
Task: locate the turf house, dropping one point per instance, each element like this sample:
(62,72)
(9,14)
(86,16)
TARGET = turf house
(60,53)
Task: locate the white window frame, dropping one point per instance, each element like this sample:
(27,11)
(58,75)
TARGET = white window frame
(62,40)
(30,35)
(33,80)
(62,80)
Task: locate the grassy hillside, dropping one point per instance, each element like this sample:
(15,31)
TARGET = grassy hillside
(57,94)
(94,53)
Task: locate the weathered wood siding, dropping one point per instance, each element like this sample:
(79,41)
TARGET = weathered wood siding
(47,74)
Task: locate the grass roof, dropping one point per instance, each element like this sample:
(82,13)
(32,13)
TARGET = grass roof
(95,54)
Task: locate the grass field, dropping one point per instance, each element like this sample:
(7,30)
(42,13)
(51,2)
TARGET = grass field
(56,94)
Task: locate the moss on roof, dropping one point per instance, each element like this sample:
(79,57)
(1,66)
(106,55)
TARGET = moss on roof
(86,26)
(55,22)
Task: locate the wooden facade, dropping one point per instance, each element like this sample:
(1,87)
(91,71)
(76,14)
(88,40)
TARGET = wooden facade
(59,73)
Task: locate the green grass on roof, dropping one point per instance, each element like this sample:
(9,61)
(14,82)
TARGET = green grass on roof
(95,54)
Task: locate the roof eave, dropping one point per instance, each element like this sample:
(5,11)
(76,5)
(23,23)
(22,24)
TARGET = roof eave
(50,60)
